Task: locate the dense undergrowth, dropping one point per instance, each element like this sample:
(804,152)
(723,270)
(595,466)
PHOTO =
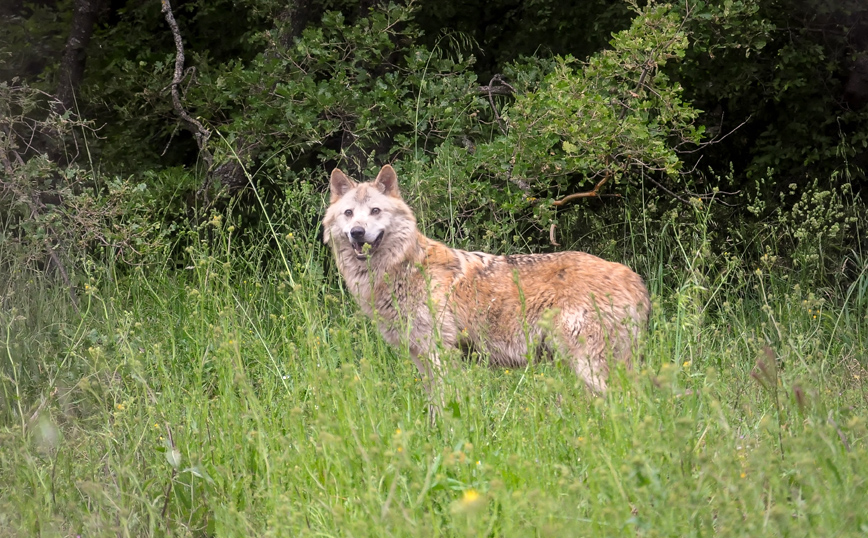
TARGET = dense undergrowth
(241,393)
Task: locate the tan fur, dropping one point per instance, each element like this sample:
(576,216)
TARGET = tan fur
(425,293)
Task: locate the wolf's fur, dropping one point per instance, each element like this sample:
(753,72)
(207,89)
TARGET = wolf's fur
(420,290)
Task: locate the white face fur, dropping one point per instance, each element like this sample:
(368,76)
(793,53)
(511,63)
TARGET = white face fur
(368,217)
(362,216)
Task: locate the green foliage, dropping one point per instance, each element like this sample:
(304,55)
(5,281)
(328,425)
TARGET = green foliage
(781,68)
(571,125)
(506,31)
(345,89)
(616,113)
(55,217)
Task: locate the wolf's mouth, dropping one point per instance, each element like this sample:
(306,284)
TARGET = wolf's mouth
(364,249)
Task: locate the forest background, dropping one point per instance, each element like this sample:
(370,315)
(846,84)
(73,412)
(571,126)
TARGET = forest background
(178,354)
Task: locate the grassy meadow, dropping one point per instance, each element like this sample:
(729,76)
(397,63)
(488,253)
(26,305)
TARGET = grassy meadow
(241,393)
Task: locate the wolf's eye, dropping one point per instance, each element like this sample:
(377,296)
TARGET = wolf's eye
(375,211)
(348,212)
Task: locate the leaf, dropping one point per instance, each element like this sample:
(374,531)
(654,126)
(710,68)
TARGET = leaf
(173,455)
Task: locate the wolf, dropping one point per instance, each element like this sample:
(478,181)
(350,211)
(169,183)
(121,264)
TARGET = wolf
(508,308)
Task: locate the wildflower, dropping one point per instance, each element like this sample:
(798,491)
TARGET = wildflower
(470,501)
(686,364)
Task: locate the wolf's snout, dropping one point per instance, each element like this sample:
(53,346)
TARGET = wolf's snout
(358,233)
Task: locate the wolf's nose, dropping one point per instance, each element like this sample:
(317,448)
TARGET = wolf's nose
(357,233)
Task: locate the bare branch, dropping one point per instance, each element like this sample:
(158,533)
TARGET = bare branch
(713,196)
(593,193)
(716,139)
(200,133)
(493,89)
(501,88)
(552,234)
(670,193)
(649,64)
(519,183)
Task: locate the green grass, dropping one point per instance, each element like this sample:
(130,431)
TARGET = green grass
(229,400)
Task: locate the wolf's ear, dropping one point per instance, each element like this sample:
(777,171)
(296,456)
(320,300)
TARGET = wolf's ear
(340,184)
(387,182)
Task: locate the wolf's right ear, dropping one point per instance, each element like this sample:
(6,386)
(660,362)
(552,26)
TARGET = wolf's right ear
(387,181)
(340,184)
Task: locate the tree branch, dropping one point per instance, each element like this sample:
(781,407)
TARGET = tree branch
(200,133)
(502,88)
(593,193)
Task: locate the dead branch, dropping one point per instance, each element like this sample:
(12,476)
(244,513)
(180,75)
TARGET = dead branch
(667,191)
(35,206)
(491,89)
(715,139)
(593,193)
(517,182)
(646,68)
(200,133)
(552,234)
(713,196)
(497,86)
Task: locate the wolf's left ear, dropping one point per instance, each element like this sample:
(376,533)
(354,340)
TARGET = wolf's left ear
(387,181)
(340,184)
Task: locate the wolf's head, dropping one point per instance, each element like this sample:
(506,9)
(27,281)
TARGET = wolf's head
(369,218)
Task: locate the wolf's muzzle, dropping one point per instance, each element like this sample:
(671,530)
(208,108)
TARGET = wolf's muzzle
(358,234)
(359,244)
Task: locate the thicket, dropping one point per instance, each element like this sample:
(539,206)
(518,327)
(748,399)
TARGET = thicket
(752,107)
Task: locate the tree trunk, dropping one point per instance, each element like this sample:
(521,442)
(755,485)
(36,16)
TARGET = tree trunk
(84,16)
(297,14)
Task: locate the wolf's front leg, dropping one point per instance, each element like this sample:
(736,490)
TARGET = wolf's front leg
(431,370)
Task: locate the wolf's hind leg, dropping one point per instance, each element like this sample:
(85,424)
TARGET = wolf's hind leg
(585,345)
(593,370)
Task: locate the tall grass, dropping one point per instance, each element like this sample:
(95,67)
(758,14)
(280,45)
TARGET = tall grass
(243,396)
